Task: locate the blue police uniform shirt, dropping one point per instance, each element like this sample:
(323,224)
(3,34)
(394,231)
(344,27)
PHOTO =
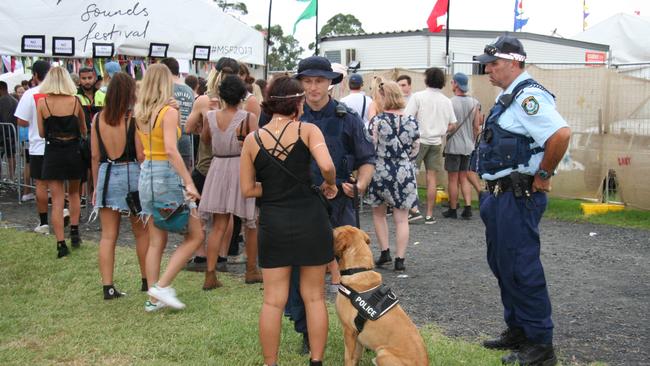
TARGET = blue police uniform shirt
(532,114)
(355,140)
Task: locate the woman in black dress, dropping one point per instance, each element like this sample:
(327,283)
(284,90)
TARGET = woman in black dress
(294,228)
(61,123)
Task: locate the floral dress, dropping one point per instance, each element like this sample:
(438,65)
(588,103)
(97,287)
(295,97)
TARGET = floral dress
(395,138)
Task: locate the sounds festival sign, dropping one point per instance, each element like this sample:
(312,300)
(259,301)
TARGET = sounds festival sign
(79,28)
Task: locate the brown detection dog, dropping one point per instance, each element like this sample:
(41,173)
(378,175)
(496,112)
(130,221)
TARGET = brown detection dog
(393,336)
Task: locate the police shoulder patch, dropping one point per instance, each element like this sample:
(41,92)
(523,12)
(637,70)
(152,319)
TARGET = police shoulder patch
(530,105)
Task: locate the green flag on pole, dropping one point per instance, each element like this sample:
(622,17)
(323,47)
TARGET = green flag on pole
(310,12)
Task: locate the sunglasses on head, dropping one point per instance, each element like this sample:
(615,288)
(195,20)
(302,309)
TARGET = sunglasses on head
(492,50)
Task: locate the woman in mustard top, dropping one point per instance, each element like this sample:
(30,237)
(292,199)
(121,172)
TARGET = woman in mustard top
(159,130)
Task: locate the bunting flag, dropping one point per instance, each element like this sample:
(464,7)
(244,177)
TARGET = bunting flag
(309,12)
(520,21)
(436,20)
(585,14)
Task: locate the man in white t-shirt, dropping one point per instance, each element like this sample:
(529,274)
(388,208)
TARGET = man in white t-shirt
(26,116)
(357,100)
(404,82)
(435,113)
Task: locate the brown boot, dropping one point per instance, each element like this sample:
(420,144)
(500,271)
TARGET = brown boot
(211,282)
(253,275)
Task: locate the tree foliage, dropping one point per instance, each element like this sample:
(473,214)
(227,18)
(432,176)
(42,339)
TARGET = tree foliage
(232,6)
(338,25)
(284,51)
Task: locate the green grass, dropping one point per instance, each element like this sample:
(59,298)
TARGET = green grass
(52,312)
(569,210)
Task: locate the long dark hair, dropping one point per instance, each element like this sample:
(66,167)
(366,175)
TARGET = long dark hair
(120,98)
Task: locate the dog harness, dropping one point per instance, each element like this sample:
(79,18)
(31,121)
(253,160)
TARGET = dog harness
(371,304)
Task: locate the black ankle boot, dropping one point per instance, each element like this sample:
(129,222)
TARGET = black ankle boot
(384,258)
(530,354)
(75,239)
(61,249)
(110,292)
(510,338)
(315,363)
(399,264)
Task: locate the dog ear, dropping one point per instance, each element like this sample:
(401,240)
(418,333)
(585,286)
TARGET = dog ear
(366,237)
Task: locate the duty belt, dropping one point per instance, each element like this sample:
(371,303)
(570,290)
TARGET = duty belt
(520,184)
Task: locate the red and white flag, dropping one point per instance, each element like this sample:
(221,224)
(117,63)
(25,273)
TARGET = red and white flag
(438,16)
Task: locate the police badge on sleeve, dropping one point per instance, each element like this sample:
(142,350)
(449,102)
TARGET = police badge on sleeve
(530,105)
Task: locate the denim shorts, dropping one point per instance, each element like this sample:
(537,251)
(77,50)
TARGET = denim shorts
(167,185)
(118,185)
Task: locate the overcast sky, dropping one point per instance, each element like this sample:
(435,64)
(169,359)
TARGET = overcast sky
(400,15)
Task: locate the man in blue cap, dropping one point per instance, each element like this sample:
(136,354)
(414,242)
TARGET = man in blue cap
(351,149)
(523,140)
(357,99)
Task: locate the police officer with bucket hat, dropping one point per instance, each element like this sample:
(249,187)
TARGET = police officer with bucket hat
(351,150)
(523,140)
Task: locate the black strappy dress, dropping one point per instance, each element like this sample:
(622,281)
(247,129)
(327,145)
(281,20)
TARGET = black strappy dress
(62,157)
(294,229)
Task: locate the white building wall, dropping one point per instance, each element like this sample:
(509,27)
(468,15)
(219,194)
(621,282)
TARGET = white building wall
(410,51)
(383,53)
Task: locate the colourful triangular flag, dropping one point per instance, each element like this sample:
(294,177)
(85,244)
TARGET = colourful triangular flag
(439,10)
(309,12)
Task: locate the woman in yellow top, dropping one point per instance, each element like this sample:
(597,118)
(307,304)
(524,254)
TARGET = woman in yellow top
(163,168)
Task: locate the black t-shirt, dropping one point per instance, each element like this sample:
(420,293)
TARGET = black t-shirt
(7,109)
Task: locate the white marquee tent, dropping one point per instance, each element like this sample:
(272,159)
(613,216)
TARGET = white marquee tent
(127,27)
(626,34)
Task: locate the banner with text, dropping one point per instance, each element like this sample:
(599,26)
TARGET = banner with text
(44,28)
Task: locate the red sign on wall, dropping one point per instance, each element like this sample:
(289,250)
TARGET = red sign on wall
(592,56)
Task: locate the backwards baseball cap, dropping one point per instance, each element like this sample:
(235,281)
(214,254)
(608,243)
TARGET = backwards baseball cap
(462,81)
(355,80)
(318,66)
(505,47)
(111,68)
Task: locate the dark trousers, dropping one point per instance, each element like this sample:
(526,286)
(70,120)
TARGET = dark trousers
(513,253)
(342,214)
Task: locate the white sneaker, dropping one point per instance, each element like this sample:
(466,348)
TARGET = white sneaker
(42,229)
(66,217)
(28,197)
(153,306)
(166,295)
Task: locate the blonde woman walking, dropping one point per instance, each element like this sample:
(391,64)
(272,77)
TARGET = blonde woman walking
(163,176)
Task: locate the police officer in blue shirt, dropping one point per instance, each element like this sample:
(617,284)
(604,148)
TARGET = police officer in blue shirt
(523,140)
(351,149)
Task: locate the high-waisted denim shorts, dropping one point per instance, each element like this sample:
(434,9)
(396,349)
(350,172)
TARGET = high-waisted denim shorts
(120,182)
(167,185)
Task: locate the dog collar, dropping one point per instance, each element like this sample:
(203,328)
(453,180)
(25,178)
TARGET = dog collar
(351,271)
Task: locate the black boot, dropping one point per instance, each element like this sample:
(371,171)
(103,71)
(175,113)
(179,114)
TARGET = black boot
(467,213)
(450,214)
(61,249)
(75,239)
(532,354)
(315,363)
(399,264)
(145,286)
(384,258)
(305,344)
(511,338)
(110,292)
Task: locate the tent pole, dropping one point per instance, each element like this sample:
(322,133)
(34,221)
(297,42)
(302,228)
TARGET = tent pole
(268,43)
(316,48)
